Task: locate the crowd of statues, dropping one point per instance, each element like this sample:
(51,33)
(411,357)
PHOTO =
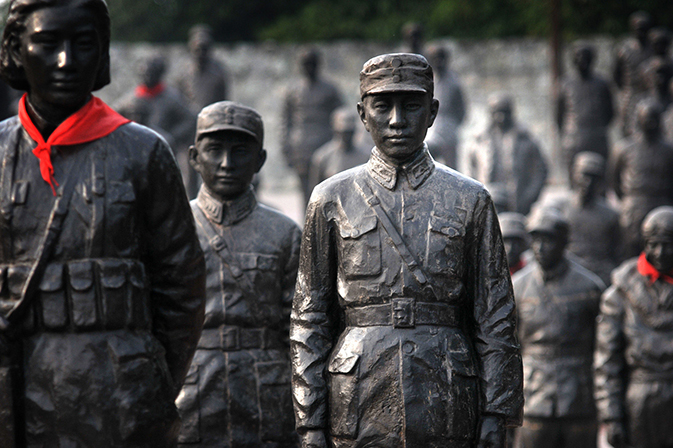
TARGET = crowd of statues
(417,307)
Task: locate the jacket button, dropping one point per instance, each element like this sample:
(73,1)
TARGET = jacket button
(408,347)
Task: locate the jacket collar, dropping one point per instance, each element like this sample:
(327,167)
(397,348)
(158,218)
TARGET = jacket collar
(556,273)
(229,212)
(416,171)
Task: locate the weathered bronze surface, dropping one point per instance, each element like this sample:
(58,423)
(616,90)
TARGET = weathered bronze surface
(403,322)
(237,392)
(557,303)
(640,172)
(340,153)
(656,74)
(166,113)
(204,80)
(442,138)
(634,345)
(515,238)
(507,154)
(111,329)
(626,68)
(306,124)
(584,108)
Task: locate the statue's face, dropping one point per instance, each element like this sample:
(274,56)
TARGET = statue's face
(548,248)
(659,252)
(398,121)
(586,184)
(60,53)
(151,72)
(583,60)
(227,162)
(501,114)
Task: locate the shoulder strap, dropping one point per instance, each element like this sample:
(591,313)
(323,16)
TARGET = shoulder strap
(221,246)
(47,242)
(398,242)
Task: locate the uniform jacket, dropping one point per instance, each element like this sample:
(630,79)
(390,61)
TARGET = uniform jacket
(557,313)
(111,334)
(237,393)
(633,345)
(512,159)
(391,384)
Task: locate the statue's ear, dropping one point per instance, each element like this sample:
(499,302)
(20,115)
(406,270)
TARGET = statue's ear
(15,51)
(262,159)
(194,158)
(361,113)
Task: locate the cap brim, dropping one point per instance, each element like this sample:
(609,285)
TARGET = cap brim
(225,127)
(397,87)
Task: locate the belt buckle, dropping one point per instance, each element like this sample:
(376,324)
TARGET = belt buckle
(404,313)
(229,338)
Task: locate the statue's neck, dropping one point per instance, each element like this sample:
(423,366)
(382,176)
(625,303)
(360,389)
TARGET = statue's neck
(47,118)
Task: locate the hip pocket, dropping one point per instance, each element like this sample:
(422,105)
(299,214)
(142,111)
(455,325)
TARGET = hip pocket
(276,415)
(343,399)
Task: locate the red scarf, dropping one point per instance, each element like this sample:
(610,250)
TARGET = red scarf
(143,91)
(93,121)
(517,267)
(649,271)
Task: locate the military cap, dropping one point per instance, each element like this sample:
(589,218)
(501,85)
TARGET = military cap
(658,222)
(230,116)
(512,225)
(589,163)
(396,72)
(549,220)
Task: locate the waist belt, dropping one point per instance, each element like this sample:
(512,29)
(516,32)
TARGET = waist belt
(82,295)
(403,313)
(230,338)
(559,351)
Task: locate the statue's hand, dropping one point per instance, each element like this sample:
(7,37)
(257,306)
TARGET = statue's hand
(313,439)
(491,432)
(616,433)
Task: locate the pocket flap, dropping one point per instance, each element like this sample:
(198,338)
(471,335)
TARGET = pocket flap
(445,226)
(340,364)
(121,192)
(351,229)
(16,277)
(112,273)
(267,262)
(81,275)
(52,280)
(246,261)
(273,372)
(137,274)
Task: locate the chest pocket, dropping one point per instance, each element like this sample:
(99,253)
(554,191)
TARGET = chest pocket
(360,254)
(445,246)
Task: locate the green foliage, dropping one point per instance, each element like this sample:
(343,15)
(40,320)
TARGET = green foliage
(308,20)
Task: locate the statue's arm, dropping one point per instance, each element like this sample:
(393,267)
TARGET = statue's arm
(291,264)
(174,261)
(537,166)
(494,320)
(312,326)
(609,360)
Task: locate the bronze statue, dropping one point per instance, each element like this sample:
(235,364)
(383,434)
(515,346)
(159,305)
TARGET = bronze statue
(102,275)
(656,73)
(165,112)
(594,225)
(667,116)
(442,138)
(403,321)
(515,238)
(634,343)
(413,35)
(557,303)
(340,153)
(584,108)
(506,153)
(626,68)
(641,170)
(237,392)
(306,117)
(204,81)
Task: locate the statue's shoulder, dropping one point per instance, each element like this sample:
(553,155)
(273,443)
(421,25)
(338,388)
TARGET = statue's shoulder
(10,130)
(581,276)
(281,224)
(624,275)
(457,180)
(340,184)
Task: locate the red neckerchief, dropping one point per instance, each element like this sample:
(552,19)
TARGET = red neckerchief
(517,267)
(649,271)
(94,120)
(143,91)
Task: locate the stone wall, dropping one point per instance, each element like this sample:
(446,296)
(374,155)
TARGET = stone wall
(261,72)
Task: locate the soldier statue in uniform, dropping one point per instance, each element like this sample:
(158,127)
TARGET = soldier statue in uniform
(307,111)
(634,343)
(640,173)
(515,238)
(557,303)
(507,154)
(237,392)
(584,108)
(403,322)
(101,272)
